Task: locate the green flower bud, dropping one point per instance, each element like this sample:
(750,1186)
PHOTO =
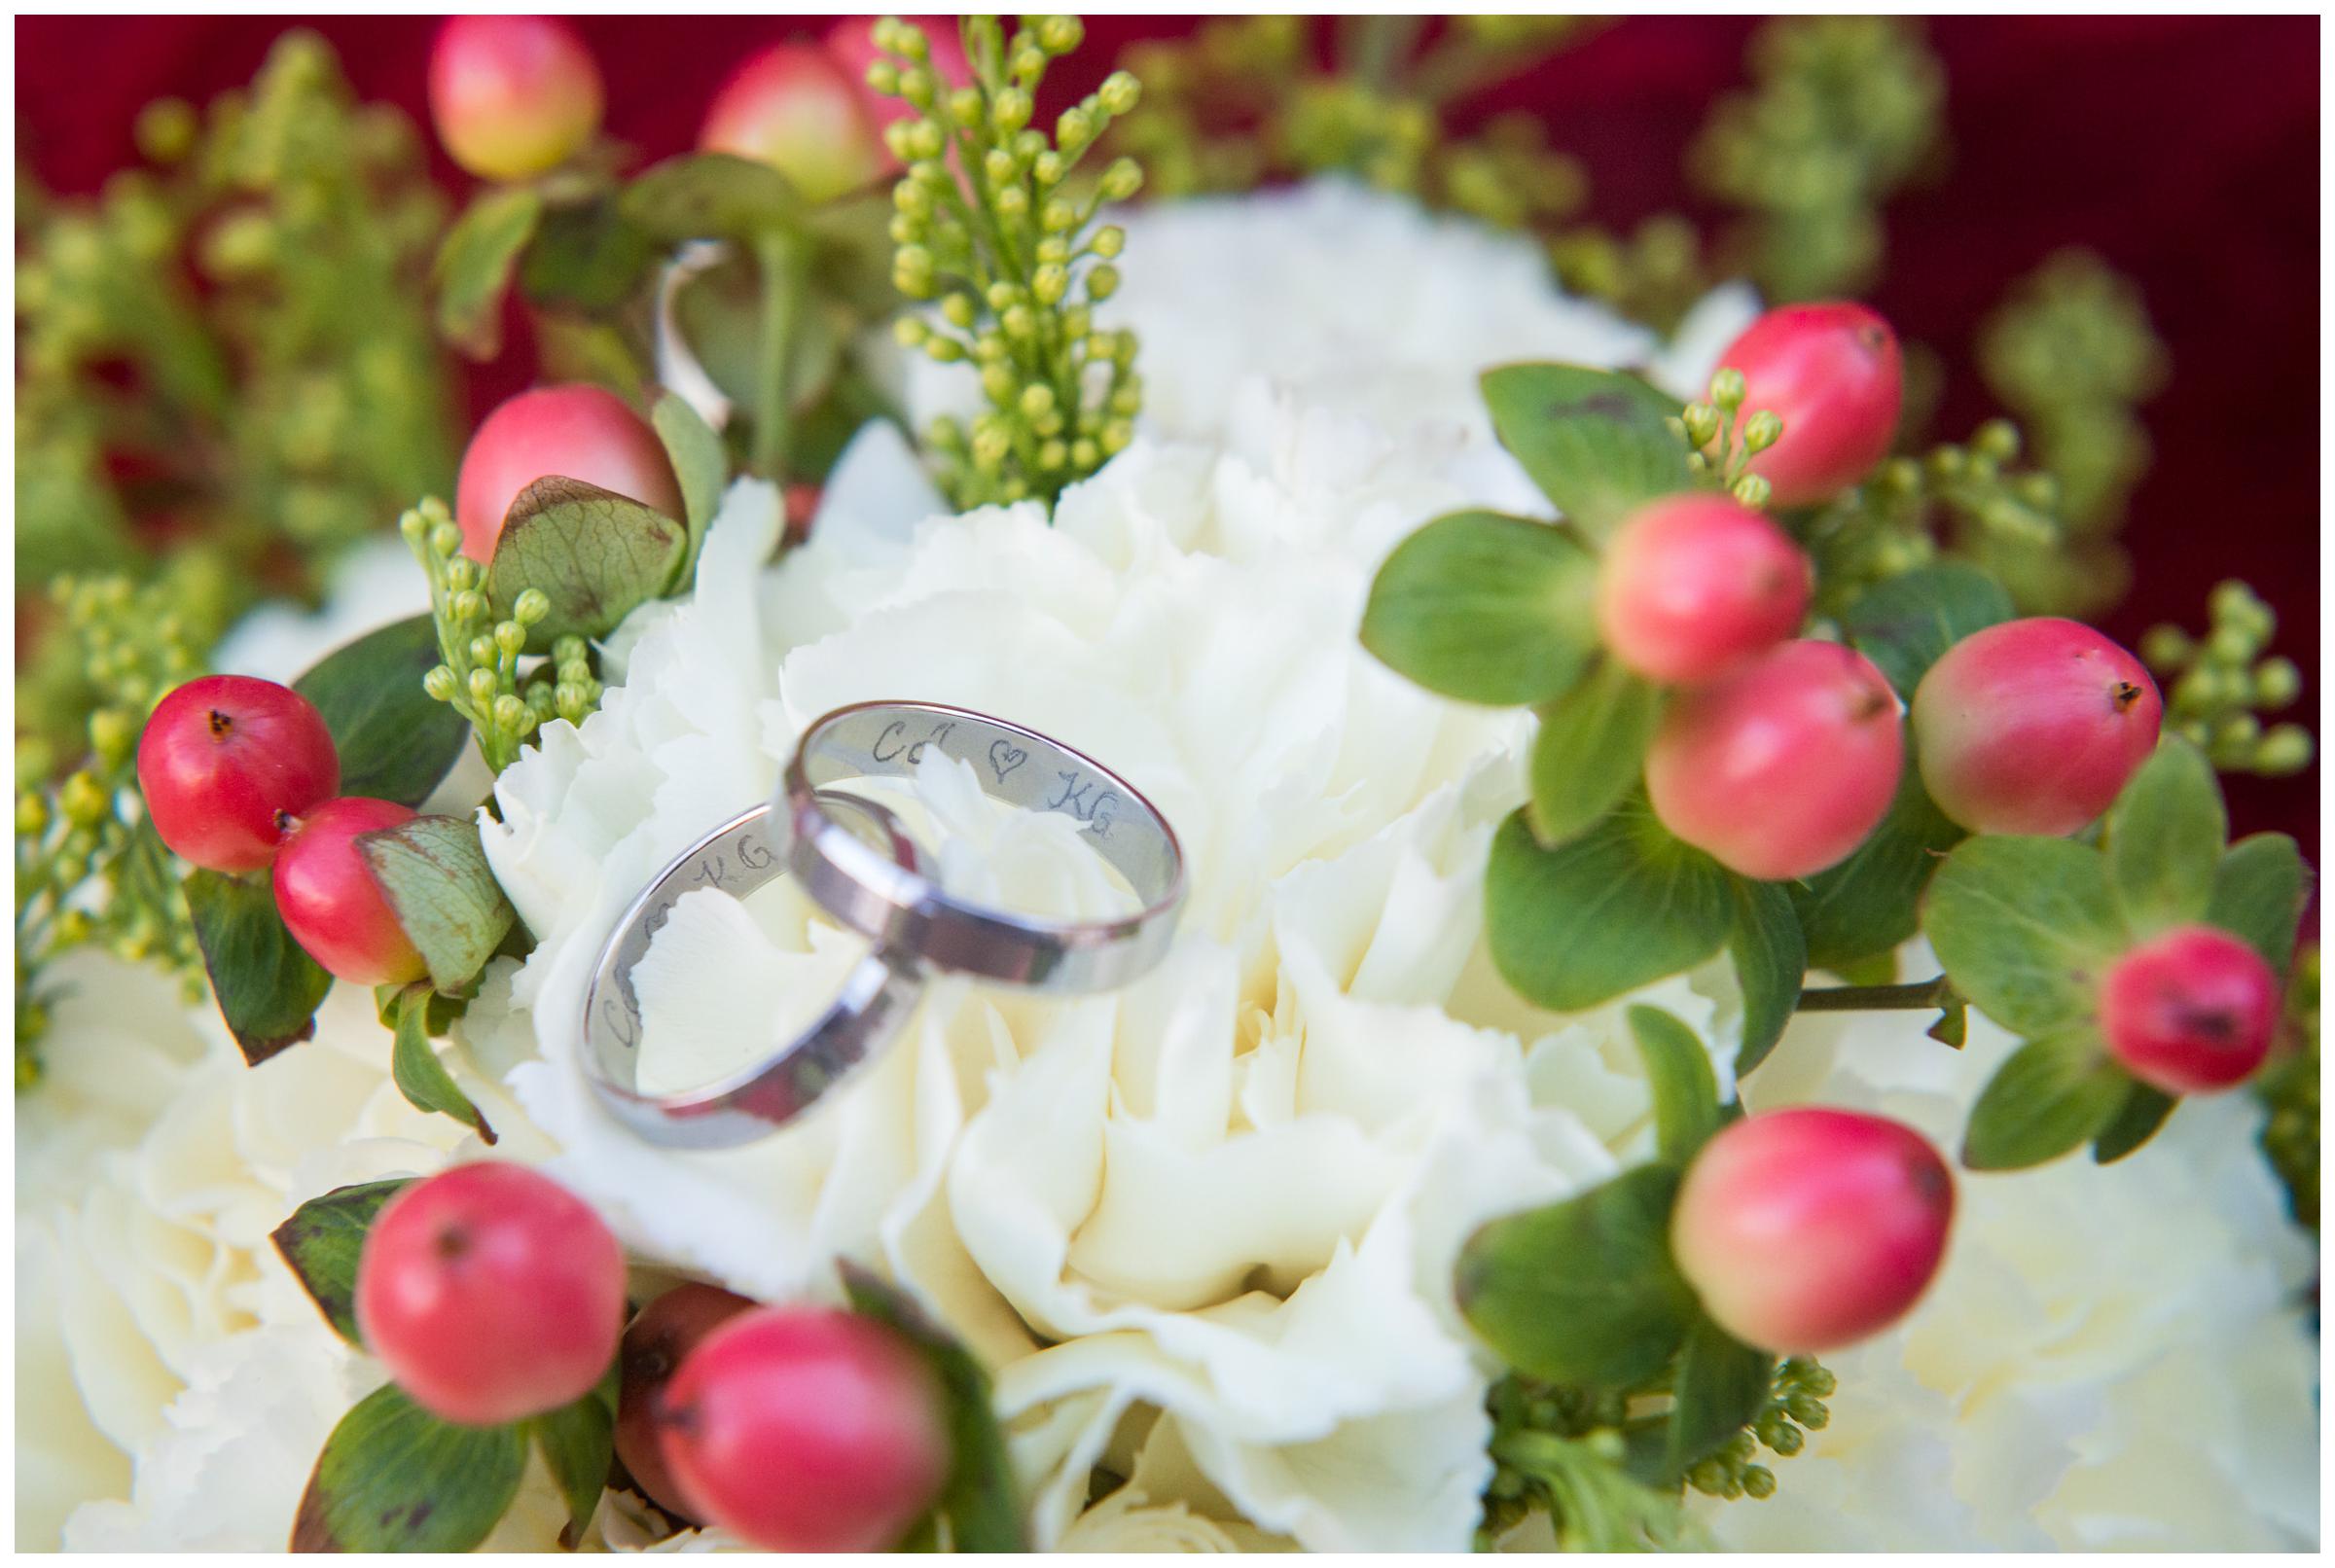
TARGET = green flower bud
(2286,748)
(1053,250)
(467,606)
(482,649)
(1761,429)
(1103,282)
(2231,645)
(1121,179)
(917,86)
(1048,284)
(991,448)
(84,800)
(1019,322)
(1759,1481)
(463,573)
(924,139)
(511,714)
(1074,130)
(2277,683)
(113,735)
(2165,648)
(411,528)
(1752,491)
(1119,92)
(1012,203)
(884,77)
(1002,296)
(958,310)
(540,699)
(964,108)
(1053,455)
(1009,110)
(1998,440)
(1108,242)
(482,689)
(1085,456)
(571,650)
(910,332)
(942,351)
(1702,422)
(1059,35)
(998,165)
(440,684)
(510,637)
(1115,437)
(1727,389)
(997,383)
(1037,400)
(531,606)
(32,815)
(445,539)
(1049,168)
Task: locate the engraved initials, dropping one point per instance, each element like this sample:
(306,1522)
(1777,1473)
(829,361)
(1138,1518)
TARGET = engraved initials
(1095,811)
(915,754)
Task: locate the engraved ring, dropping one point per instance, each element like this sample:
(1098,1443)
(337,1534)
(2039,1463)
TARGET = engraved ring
(904,910)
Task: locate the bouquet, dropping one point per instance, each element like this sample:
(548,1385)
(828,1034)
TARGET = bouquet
(1170,823)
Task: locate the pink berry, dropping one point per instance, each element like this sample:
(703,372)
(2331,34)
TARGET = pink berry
(852,41)
(806,1430)
(491,1294)
(2032,726)
(1782,766)
(512,96)
(1832,373)
(1809,1228)
(331,903)
(1694,583)
(226,762)
(792,107)
(574,432)
(659,1341)
(2190,1012)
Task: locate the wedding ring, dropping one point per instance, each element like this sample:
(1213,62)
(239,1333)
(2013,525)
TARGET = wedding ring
(874,1004)
(904,910)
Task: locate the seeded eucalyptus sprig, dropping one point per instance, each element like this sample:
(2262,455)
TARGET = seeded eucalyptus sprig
(992,223)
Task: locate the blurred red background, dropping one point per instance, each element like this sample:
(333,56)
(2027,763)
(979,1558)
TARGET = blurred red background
(2185,150)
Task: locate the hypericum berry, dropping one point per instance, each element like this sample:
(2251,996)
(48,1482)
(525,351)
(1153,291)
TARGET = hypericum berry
(1694,583)
(659,1341)
(2190,1012)
(1809,1228)
(575,432)
(1782,766)
(225,762)
(1833,374)
(512,96)
(806,1430)
(2032,726)
(491,1294)
(331,903)
(792,107)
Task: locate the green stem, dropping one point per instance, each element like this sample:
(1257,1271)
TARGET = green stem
(785,278)
(1911,997)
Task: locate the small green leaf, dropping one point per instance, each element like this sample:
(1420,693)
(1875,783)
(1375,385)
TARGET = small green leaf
(2049,1096)
(2165,834)
(578,1441)
(267,984)
(420,1077)
(395,740)
(1582,1291)
(433,871)
(977,1510)
(1770,962)
(1591,749)
(710,195)
(700,465)
(394,1478)
(1869,905)
(1596,442)
(2137,1121)
(2260,886)
(2025,927)
(321,1242)
(1618,908)
(596,554)
(1485,608)
(1684,1089)
(586,258)
(1720,1387)
(1905,622)
(474,267)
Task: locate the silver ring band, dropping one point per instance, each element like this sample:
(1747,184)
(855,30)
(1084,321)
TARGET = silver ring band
(904,910)
(874,1004)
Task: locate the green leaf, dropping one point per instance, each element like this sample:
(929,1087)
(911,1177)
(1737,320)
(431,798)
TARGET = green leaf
(395,740)
(700,465)
(977,1510)
(1582,1291)
(2165,834)
(578,1441)
(1596,442)
(2260,886)
(321,1242)
(1771,961)
(1618,908)
(1720,1387)
(596,555)
(433,871)
(2025,927)
(1485,608)
(420,1077)
(474,267)
(267,984)
(1869,905)
(1591,749)
(394,1478)
(710,195)
(1905,622)
(1685,1089)
(586,258)
(2049,1096)
(2137,1121)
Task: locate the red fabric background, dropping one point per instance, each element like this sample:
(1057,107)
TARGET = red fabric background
(2184,148)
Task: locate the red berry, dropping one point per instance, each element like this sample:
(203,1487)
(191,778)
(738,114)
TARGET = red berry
(491,1294)
(667,1331)
(2032,726)
(1809,1228)
(226,762)
(1782,766)
(330,901)
(512,96)
(852,42)
(574,432)
(2190,1012)
(806,1430)
(1694,583)
(1832,373)
(792,107)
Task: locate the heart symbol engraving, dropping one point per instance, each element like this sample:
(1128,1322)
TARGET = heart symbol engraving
(1005,758)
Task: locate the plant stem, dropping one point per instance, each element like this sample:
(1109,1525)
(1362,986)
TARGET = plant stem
(1911,997)
(784,277)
